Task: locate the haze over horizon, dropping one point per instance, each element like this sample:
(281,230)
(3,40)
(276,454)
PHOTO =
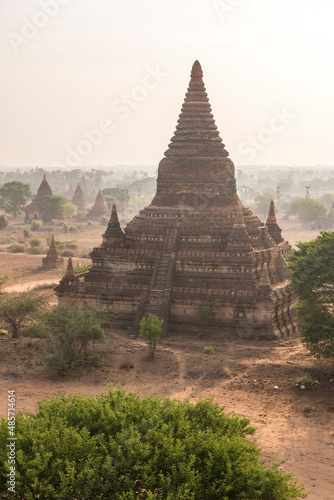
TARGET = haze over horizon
(103,83)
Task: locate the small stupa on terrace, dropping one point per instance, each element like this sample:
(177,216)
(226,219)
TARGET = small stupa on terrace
(195,247)
(53,259)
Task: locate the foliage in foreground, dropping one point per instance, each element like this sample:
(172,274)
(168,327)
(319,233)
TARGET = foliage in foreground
(71,331)
(312,280)
(119,446)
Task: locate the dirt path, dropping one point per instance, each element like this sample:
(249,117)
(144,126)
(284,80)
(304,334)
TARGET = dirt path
(30,285)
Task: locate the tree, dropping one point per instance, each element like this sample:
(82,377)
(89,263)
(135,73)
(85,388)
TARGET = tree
(262,204)
(71,331)
(120,194)
(21,307)
(14,196)
(308,210)
(57,207)
(207,310)
(312,280)
(3,222)
(124,447)
(151,328)
(3,280)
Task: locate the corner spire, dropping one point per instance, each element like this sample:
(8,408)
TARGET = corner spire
(238,239)
(274,230)
(114,235)
(69,270)
(271,219)
(114,215)
(265,281)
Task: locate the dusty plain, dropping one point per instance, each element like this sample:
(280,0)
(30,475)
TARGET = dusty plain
(261,380)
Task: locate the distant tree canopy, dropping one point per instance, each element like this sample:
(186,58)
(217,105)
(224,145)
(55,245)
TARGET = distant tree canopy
(312,280)
(119,194)
(123,447)
(308,210)
(14,196)
(262,201)
(327,199)
(3,222)
(57,207)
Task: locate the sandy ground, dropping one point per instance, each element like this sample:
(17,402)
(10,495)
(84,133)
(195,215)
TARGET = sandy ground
(260,380)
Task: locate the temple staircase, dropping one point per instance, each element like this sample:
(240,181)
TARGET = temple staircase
(156,300)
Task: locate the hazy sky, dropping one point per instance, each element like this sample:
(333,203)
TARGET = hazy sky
(101,82)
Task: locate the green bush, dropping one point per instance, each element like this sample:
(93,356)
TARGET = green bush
(73,244)
(26,232)
(36,225)
(3,221)
(34,251)
(73,229)
(35,241)
(60,246)
(3,332)
(36,330)
(64,228)
(119,446)
(17,248)
(71,332)
(208,350)
(103,220)
(68,253)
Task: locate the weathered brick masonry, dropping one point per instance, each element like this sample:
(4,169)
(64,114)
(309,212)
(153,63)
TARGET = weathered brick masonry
(194,245)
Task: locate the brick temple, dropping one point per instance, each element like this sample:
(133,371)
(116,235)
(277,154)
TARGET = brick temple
(195,247)
(34,209)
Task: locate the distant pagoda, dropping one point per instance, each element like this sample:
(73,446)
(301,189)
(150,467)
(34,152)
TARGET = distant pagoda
(79,199)
(34,210)
(99,208)
(195,246)
(52,259)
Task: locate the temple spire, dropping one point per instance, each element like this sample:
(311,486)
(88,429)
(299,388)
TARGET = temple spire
(196,132)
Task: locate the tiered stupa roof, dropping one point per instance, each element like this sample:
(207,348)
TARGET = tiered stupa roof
(196,171)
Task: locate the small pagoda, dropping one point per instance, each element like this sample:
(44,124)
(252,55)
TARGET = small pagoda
(79,200)
(34,209)
(52,259)
(99,208)
(195,246)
